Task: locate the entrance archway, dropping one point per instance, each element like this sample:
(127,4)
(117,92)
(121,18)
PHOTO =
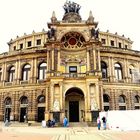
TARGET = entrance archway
(74,105)
(41,108)
(24,109)
(8,104)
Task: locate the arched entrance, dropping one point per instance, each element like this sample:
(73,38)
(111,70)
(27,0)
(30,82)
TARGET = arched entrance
(23,109)
(8,105)
(41,108)
(74,105)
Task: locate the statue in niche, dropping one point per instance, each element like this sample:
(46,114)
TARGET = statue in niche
(94,105)
(56,106)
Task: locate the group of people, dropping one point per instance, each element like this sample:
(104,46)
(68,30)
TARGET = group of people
(99,122)
(51,123)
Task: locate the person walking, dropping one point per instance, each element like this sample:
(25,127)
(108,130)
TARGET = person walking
(65,122)
(104,122)
(98,123)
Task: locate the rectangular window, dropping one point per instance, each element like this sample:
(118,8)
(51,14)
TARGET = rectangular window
(73,69)
(38,42)
(112,43)
(11,76)
(120,45)
(29,43)
(125,46)
(14,48)
(21,46)
(122,107)
(25,75)
(137,107)
(103,41)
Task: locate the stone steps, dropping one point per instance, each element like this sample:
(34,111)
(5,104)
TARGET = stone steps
(78,124)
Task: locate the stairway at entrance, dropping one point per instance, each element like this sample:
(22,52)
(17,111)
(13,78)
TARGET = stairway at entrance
(78,124)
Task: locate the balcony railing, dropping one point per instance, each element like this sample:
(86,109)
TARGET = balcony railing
(72,75)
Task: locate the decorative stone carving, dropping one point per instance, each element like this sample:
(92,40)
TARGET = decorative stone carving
(71,12)
(94,105)
(56,106)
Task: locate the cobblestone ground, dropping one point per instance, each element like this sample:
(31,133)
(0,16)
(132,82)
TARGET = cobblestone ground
(71,133)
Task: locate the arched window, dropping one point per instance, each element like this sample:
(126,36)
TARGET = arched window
(122,102)
(137,102)
(11,74)
(0,74)
(25,72)
(106,102)
(24,100)
(118,71)
(104,69)
(41,99)
(42,71)
(8,101)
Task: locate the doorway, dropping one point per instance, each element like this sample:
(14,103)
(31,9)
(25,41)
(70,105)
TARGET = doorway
(74,111)
(7,114)
(41,111)
(23,114)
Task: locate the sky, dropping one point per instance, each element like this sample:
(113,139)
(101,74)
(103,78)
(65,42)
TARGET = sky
(23,16)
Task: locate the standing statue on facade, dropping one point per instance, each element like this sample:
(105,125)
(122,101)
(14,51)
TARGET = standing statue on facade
(94,33)
(51,33)
(94,105)
(56,106)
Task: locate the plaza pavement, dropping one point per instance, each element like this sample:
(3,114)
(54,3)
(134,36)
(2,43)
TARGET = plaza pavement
(60,133)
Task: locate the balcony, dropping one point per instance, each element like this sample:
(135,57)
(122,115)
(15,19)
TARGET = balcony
(23,82)
(8,83)
(73,75)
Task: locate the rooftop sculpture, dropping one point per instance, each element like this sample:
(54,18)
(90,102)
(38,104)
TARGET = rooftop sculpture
(71,7)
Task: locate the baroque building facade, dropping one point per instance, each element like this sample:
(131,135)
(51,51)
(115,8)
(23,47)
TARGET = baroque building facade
(72,70)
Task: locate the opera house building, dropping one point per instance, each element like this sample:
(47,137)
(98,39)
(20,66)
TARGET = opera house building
(73,69)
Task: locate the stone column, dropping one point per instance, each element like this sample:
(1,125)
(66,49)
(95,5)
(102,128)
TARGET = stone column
(97,94)
(87,105)
(52,64)
(34,78)
(18,71)
(34,106)
(17,107)
(31,72)
(5,72)
(58,65)
(113,70)
(99,61)
(130,104)
(100,96)
(116,100)
(48,61)
(112,100)
(61,96)
(52,95)
(94,59)
(47,104)
(1,107)
(30,117)
(88,64)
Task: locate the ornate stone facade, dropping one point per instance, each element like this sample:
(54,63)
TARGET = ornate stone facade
(68,72)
